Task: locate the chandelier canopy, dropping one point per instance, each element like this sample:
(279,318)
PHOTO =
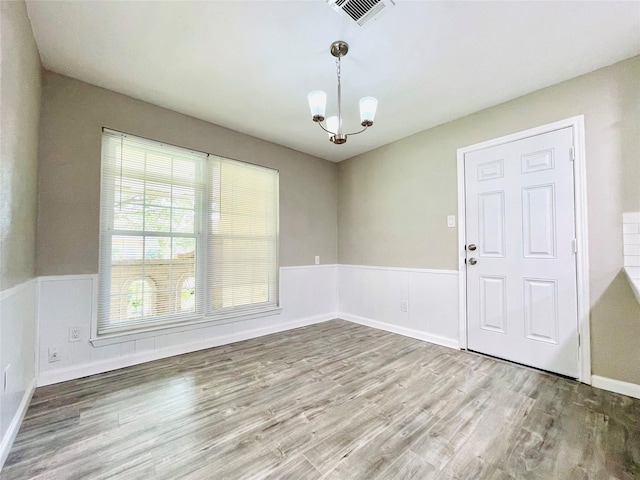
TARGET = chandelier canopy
(318,103)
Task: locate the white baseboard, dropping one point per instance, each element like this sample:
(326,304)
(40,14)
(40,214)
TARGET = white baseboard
(71,373)
(616,386)
(407,332)
(12,431)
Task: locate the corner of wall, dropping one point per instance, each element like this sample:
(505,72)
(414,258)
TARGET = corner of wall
(18,318)
(21,97)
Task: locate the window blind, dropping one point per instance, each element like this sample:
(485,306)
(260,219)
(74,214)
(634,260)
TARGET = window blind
(243,236)
(183,235)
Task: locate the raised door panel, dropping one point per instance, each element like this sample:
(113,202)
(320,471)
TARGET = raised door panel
(493,303)
(491,224)
(538,221)
(541,310)
(491,170)
(537,161)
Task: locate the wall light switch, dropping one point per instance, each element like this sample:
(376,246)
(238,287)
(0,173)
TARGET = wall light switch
(451,221)
(317,259)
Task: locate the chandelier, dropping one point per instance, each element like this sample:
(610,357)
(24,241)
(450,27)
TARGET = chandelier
(318,103)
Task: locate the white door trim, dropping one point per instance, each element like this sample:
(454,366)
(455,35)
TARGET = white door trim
(582,256)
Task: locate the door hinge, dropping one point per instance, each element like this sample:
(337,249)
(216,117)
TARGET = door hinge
(574,245)
(579,340)
(572,154)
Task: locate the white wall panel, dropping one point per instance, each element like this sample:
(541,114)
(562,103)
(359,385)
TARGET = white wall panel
(308,291)
(307,295)
(126,348)
(65,302)
(374,296)
(434,295)
(374,293)
(17,358)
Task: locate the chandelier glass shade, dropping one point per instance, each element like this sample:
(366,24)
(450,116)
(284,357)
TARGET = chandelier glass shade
(318,104)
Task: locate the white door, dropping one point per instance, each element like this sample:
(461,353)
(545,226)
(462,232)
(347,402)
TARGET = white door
(521,265)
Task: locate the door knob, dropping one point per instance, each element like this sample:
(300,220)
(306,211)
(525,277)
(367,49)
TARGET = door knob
(472,247)
(473,261)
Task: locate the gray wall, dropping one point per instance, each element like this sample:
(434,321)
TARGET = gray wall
(73,114)
(393,201)
(20,116)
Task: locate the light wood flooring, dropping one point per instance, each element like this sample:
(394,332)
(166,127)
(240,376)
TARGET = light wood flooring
(332,401)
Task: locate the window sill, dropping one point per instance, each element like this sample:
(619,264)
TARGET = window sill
(196,323)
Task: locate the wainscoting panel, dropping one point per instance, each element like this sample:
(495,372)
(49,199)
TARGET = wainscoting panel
(308,295)
(17,359)
(417,303)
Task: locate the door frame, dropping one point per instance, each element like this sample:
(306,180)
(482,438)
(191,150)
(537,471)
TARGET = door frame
(582,255)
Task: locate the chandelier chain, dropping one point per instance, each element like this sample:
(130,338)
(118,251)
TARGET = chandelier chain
(339,132)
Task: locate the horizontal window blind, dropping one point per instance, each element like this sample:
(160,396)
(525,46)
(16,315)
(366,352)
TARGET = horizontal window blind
(183,235)
(243,236)
(151,196)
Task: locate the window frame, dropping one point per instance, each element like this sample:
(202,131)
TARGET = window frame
(204,313)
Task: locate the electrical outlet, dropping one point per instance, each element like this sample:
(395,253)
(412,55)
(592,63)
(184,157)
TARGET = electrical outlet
(54,355)
(317,259)
(404,305)
(74,334)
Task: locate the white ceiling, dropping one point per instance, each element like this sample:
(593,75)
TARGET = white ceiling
(249,65)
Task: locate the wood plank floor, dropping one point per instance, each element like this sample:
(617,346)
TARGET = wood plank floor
(331,401)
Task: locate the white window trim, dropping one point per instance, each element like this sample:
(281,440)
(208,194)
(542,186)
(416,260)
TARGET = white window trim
(200,320)
(157,330)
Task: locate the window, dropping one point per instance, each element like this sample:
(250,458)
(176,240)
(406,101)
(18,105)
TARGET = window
(140,299)
(184,236)
(242,234)
(188,295)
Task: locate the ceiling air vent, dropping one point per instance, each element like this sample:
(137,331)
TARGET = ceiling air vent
(362,12)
